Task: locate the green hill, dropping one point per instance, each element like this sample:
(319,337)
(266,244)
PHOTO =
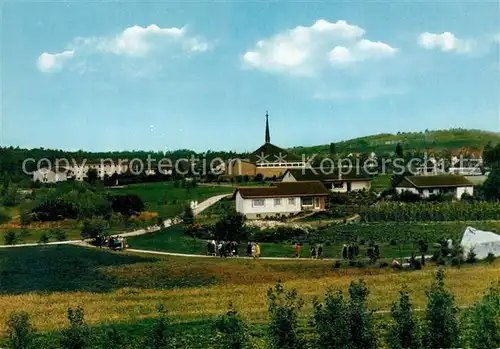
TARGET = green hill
(451,139)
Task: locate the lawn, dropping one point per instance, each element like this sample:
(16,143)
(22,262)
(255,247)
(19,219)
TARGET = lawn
(173,239)
(123,288)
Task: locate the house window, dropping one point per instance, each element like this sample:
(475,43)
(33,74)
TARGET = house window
(307,202)
(277,202)
(258,203)
(338,185)
(291,201)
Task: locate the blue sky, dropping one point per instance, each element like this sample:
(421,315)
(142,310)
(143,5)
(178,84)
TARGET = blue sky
(200,75)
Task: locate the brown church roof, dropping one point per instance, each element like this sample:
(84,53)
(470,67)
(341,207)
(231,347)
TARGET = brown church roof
(285,189)
(270,153)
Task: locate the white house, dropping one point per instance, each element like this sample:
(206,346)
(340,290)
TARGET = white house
(281,199)
(334,180)
(426,186)
(46,175)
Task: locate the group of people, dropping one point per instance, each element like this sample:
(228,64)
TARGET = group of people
(316,251)
(253,249)
(230,249)
(223,248)
(117,243)
(351,251)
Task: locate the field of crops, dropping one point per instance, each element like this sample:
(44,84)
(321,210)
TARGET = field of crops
(122,290)
(428,212)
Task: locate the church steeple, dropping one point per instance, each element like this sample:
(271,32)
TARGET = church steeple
(268,137)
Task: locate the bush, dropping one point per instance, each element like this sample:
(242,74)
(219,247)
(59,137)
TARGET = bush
(232,329)
(19,330)
(283,312)
(11,238)
(75,336)
(44,238)
(60,235)
(490,258)
(337,265)
(95,231)
(4,216)
(127,205)
(384,265)
(471,257)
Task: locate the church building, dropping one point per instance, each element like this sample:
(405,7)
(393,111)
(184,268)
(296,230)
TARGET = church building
(268,160)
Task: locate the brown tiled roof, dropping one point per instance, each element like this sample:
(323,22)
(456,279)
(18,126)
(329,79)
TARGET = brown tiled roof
(285,189)
(327,175)
(273,153)
(435,181)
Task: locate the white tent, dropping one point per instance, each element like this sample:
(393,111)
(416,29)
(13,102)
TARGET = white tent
(483,242)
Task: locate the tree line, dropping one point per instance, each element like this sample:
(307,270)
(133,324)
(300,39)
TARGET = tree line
(337,321)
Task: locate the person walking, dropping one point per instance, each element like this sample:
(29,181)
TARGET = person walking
(320,251)
(313,252)
(254,249)
(297,250)
(257,250)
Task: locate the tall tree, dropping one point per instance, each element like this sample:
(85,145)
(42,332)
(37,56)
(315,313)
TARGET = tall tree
(491,187)
(403,331)
(333,149)
(442,329)
(399,151)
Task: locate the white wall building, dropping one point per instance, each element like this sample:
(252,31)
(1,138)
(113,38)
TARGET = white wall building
(46,175)
(426,186)
(281,199)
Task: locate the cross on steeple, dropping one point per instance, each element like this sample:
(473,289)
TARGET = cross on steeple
(268,137)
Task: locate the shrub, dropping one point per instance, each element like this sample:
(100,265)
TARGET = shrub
(4,216)
(75,336)
(441,330)
(403,332)
(94,230)
(337,265)
(471,257)
(127,205)
(44,238)
(188,215)
(60,235)
(283,307)
(11,238)
(393,242)
(232,329)
(19,330)
(331,321)
(490,258)
(384,265)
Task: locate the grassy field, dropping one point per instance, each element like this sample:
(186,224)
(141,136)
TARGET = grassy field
(123,289)
(173,239)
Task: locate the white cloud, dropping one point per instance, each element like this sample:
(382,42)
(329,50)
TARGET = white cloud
(306,50)
(446,42)
(135,41)
(362,50)
(51,62)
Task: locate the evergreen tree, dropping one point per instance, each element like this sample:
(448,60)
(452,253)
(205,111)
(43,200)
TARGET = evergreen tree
(399,151)
(283,310)
(331,321)
(188,215)
(403,332)
(361,327)
(442,329)
(333,150)
(482,322)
